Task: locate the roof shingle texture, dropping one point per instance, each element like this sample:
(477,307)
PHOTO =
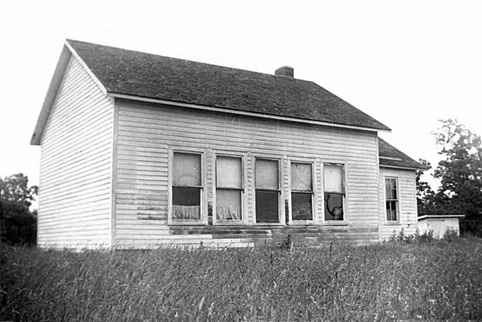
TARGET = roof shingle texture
(396,158)
(151,76)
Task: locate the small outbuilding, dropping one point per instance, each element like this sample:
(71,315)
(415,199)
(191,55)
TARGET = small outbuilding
(439,225)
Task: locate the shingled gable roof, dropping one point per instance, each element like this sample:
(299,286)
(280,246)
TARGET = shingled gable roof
(390,156)
(143,75)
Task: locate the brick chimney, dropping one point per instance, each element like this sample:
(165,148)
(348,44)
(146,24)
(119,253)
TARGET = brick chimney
(285,71)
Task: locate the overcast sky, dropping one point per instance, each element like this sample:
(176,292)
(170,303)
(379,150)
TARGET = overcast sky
(406,63)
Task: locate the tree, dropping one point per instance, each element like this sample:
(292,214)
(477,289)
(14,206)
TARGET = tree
(424,191)
(18,225)
(460,174)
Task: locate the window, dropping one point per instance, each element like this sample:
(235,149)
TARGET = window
(334,187)
(301,191)
(267,191)
(186,187)
(229,188)
(391,198)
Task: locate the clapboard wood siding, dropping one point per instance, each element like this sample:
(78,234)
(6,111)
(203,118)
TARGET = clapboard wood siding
(75,202)
(146,132)
(407,203)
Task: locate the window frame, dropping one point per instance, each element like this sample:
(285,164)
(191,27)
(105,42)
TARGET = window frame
(397,201)
(344,194)
(312,192)
(278,190)
(202,194)
(242,190)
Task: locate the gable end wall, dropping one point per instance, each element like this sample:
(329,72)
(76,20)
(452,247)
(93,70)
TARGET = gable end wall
(76,165)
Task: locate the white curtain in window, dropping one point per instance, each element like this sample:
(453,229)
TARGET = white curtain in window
(228,213)
(185,212)
(228,204)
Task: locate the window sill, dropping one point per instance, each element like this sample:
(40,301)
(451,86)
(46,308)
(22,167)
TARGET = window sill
(303,223)
(335,223)
(394,223)
(268,224)
(187,223)
(228,223)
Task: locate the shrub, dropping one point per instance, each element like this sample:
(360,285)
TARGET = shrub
(20,225)
(471,226)
(417,238)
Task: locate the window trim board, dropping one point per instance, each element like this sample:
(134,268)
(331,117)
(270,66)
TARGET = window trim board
(203,191)
(243,190)
(281,212)
(345,221)
(314,183)
(398,203)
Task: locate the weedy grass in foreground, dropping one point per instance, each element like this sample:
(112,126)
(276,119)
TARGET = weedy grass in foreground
(396,280)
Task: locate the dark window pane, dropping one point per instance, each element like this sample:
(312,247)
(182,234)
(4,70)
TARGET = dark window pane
(301,206)
(391,188)
(391,210)
(186,203)
(267,207)
(387,188)
(333,206)
(186,196)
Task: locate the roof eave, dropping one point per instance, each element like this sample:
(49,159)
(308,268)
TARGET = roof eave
(86,68)
(400,167)
(239,112)
(51,95)
(440,216)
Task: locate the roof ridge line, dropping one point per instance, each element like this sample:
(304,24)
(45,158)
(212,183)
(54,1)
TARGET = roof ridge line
(192,61)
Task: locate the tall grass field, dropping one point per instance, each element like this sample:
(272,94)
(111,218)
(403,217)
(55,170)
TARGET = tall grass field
(431,280)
